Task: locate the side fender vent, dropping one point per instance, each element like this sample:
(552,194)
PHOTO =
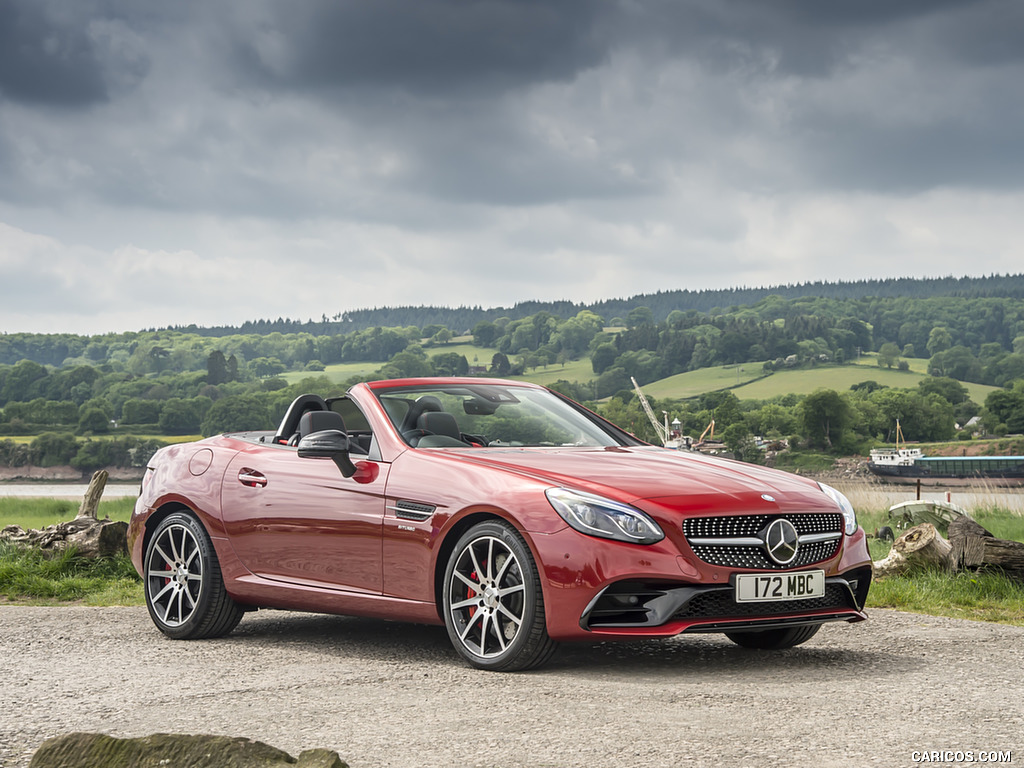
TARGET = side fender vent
(412,510)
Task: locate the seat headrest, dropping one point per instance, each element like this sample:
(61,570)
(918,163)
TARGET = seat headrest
(316,421)
(439,423)
(423,404)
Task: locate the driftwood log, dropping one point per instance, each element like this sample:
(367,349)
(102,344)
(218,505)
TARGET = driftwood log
(969,547)
(90,536)
(974,547)
(921,546)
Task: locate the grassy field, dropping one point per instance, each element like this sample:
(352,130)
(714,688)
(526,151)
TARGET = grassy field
(39,513)
(840,378)
(982,596)
(746,379)
(26,439)
(31,578)
(576,370)
(342,372)
(693,383)
(338,373)
(978,392)
(870,360)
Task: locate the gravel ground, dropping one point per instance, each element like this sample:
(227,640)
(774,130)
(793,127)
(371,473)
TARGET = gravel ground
(394,695)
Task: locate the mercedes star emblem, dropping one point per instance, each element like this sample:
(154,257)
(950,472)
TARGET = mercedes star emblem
(781,541)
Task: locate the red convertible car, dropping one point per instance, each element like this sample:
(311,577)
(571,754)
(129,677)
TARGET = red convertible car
(510,514)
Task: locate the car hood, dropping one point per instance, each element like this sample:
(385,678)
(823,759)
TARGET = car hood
(673,478)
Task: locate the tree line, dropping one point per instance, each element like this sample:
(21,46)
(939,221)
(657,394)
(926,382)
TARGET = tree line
(171,382)
(661,303)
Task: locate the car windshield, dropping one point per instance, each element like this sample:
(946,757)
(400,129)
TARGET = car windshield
(488,415)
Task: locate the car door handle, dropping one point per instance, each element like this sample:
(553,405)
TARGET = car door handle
(251,478)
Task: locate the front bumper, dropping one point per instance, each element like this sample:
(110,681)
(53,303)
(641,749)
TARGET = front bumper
(594,588)
(701,608)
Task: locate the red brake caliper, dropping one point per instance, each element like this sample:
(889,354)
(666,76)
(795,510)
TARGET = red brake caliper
(471,593)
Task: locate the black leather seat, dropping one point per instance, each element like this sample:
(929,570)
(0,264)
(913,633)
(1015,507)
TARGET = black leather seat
(317,421)
(289,427)
(440,423)
(437,429)
(424,404)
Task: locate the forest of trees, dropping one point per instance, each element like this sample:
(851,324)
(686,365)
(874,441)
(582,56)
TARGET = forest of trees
(662,303)
(55,387)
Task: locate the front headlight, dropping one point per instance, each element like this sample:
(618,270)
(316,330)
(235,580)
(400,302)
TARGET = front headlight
(849,516)
(598,516)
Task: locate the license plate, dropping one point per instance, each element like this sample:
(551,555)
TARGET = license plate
(765,587)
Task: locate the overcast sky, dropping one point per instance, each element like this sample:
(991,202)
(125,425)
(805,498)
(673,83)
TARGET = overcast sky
(215,162)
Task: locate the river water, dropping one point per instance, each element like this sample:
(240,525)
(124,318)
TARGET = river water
(864,495)
(65,490)
(873,495)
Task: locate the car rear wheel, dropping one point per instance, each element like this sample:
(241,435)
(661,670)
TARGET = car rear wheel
(774,639)
(185,592)
(493,604)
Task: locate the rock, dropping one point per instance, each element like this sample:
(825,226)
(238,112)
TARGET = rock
(165,750)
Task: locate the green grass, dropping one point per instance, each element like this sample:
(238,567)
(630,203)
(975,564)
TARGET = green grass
(575,370)
(39,513)
(870,359)
(977,392)
(748,381)
(979,596)
(798,461)
(483,355)
(839,378)
(338,373)
(25,439)
(30,576)
(976,595)
(693,383)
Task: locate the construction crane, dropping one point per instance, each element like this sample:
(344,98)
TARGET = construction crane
(661,430)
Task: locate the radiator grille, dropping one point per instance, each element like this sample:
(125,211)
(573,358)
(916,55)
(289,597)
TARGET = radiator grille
(737,555)
(719,604)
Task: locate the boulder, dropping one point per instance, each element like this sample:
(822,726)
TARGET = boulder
(166,750)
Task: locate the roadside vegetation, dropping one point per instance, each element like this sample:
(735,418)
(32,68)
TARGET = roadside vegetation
(801,377)
(980,595)
(829,373)
(32,577)
(29,577)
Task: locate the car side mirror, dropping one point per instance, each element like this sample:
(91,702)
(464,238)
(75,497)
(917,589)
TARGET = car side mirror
(330,444)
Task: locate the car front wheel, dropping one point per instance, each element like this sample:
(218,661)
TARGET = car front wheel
(493,605)
(185,592)
(774,639)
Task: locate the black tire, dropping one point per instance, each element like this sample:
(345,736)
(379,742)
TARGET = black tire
(774,639)
(184,588)
(493,605)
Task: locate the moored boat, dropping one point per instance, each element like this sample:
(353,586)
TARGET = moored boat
(901,464)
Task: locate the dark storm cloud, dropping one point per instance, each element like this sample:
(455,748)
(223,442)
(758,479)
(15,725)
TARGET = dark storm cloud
(70,54)
(428,45)
(46,59)
(433,78)
(443,145)
(813,39)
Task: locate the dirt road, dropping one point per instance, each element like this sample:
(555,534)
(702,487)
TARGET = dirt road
(393,695)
